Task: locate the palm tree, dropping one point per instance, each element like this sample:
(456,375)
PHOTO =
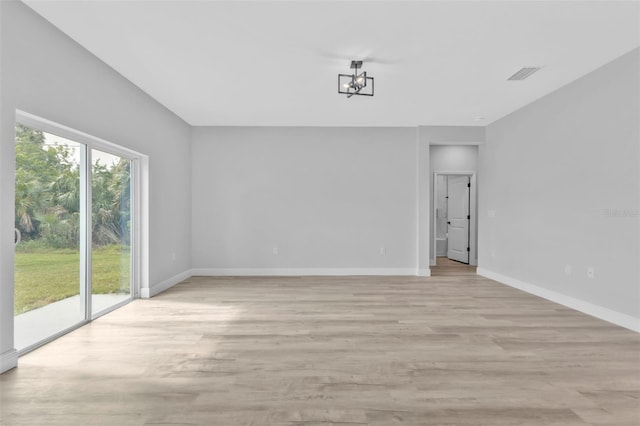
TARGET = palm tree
(31,197)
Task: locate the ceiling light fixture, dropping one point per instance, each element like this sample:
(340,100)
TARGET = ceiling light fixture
(355,84)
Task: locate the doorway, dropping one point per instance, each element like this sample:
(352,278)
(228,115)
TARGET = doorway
(74,225)
(454,217)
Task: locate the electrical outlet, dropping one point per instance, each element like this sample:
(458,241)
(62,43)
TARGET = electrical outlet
(567,269)
(493,253)
(591,272)
(383,251)
(491,213)
(173,256)
(275,251)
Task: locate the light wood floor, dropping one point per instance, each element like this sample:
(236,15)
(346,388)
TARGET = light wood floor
(448,267)
(446,350)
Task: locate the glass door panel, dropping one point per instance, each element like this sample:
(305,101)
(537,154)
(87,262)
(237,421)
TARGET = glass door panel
(111,230)
(48,198)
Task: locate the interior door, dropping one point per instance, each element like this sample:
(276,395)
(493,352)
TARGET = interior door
(458,189)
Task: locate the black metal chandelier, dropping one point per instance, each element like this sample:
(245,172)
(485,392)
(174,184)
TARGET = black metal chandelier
(355,84)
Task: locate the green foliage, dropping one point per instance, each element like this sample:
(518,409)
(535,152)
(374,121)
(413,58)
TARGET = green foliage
(47,202)
(111,203)
(47,211)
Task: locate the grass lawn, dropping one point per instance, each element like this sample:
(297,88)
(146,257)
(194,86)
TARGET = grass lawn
(48,275)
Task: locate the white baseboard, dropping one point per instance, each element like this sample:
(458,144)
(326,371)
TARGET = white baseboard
(147,293)
(8,360)
(623,320)
(255,272)
(425,272)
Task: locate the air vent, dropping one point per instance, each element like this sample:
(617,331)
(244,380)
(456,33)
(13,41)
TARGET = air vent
(523,73)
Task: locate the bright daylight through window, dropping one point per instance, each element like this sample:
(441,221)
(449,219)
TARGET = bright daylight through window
(73,228)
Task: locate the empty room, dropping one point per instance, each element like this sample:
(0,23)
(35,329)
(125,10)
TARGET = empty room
(319,212)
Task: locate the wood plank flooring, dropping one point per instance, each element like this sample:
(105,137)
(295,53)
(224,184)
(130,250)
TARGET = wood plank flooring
(447,267)
(446,350)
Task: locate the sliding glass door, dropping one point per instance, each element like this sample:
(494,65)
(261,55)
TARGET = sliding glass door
(48,200)
(111,230)
(73,220)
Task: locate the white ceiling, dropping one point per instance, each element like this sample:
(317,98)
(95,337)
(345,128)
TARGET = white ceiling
(275,63)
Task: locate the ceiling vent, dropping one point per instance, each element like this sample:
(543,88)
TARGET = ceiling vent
(523,73)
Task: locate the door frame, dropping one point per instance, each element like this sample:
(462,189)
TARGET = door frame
(139,275)
(473,212)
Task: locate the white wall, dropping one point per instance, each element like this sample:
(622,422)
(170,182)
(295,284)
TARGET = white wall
(45,73)
(454,158)
(328,198)
(562,176)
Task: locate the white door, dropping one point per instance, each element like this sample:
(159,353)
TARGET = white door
(458,218)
